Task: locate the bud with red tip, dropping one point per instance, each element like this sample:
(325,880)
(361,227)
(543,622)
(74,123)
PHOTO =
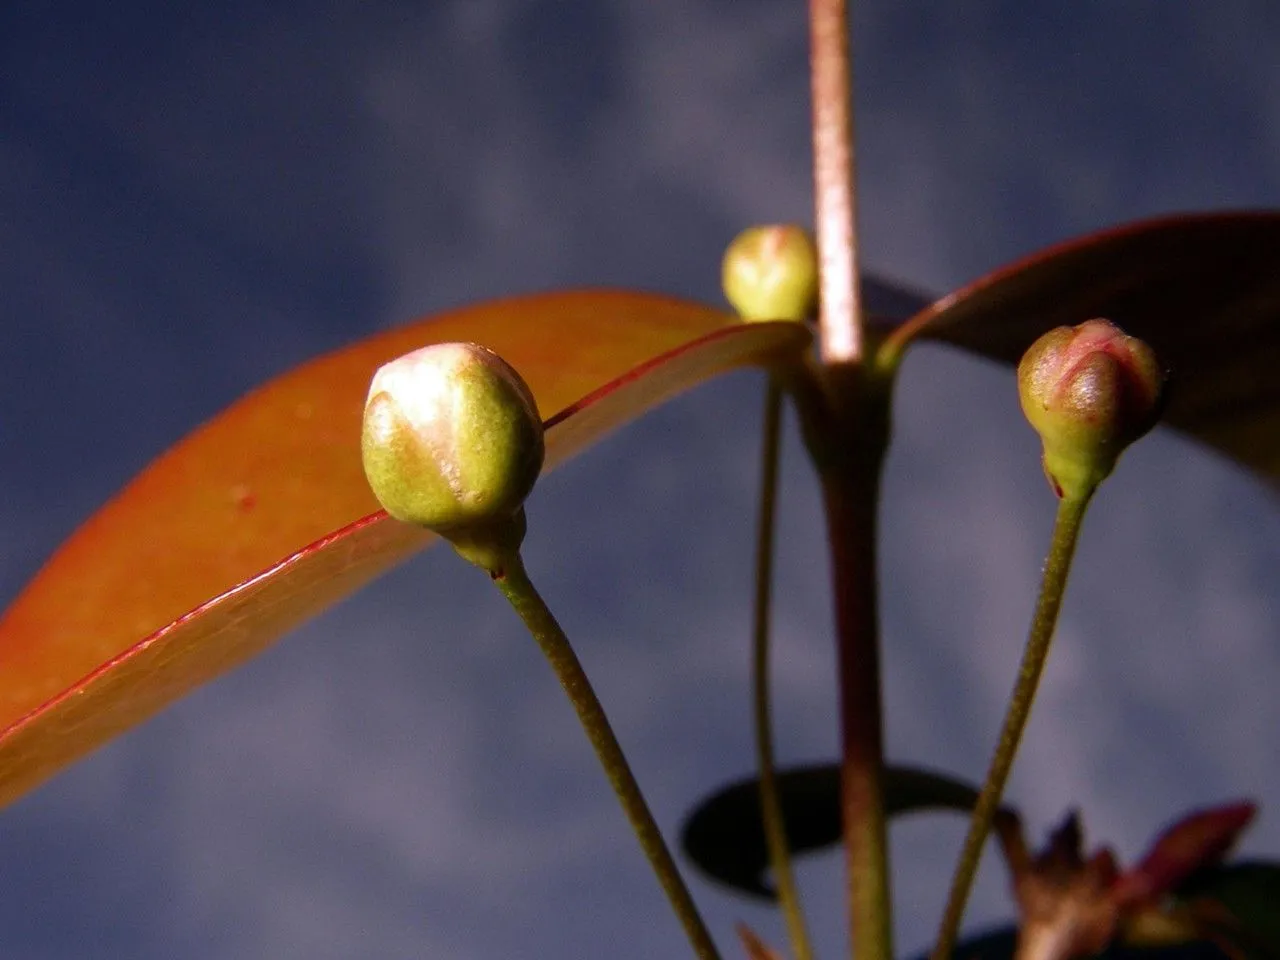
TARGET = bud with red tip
(771,273)
(1089,391)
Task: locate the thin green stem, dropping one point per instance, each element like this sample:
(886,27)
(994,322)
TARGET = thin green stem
(1053,585)
(834,176)
(775,830)
(513,580)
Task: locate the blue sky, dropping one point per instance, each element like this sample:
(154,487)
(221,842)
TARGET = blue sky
(193,198)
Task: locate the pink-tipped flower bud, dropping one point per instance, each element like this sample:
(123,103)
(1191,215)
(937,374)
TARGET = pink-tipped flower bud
(452,439)
(771,273)
(1089,391)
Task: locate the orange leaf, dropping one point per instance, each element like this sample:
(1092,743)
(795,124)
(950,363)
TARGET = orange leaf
(1203,290)
(262,517)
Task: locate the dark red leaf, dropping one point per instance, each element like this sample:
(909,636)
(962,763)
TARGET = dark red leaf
(1203,290)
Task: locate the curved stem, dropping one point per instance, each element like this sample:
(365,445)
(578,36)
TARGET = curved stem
(774,821)
(512,579)
(1066,531)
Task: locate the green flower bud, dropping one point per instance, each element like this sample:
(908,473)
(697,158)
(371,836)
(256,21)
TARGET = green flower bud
(1089,391)
(452,439)
(771,273)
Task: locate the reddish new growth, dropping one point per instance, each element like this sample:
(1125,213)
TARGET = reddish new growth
(1072,907)
(756,949)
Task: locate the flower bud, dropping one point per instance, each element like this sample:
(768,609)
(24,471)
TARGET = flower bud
(771,273)
(1089,391)
(452,440)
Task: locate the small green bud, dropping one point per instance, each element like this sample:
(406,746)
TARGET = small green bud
(452,439)
(771,273)
(1089,391)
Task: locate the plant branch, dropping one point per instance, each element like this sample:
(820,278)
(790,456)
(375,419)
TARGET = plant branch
(772,816)
(1066,531)
(844,416)
(513,581)
(847,434)
(851,501)
(840,317)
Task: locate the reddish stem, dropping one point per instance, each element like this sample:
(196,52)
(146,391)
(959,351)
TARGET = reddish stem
(854,440)
(840,319)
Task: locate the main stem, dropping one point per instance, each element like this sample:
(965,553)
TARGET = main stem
(1053,585)
(851,499)
(515,585)
(848,443)
(840,319)
(846,427)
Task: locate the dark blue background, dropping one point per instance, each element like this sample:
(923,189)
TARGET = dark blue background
(193,198)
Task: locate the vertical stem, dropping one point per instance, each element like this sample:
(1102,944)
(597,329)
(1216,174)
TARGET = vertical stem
(513,581)
(848,443)
(1053,585)
(850,483)
(851,528)
(772,816)
(840,319)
